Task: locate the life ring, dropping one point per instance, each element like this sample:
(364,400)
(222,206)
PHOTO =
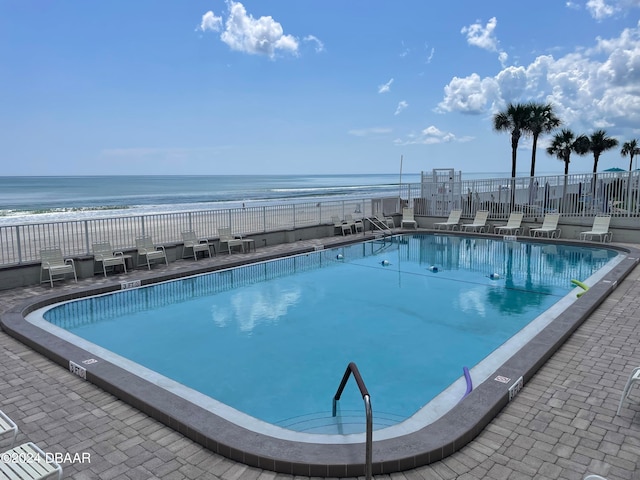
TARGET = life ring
(581,285)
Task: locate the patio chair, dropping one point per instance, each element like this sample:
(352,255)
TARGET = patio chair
(104,254)
(600,229)
(479,222)
(35,466)
(407,218)
(453,221)
(150,251)
(355,225)
(339,226)
(633,379)
(513,225)
(55,265)
(549,227)
(195,244)
(230,240)
(8,427)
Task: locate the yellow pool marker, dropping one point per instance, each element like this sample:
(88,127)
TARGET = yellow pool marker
(581,285)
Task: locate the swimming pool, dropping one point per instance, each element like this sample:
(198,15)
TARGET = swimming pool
(284,330)
(520,266)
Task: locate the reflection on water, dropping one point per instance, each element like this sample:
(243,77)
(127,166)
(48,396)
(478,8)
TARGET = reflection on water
(527,267)
(256,306)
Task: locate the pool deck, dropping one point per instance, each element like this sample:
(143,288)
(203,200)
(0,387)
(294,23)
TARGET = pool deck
(562,425)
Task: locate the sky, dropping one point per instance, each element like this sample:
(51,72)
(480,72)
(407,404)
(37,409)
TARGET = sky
(159,87)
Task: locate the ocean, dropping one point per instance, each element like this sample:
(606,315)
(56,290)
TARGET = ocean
(30,199)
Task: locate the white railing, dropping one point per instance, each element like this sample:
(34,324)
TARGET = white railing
(616,193)
(22,243)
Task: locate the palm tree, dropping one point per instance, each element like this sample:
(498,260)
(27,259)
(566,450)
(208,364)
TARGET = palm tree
(564,143)
(630,148)
(514,120)
(598,143)
(541,120)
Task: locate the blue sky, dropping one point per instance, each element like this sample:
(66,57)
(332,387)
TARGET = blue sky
(306,87)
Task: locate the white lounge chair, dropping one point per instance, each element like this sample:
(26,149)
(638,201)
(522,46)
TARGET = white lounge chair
(340,227)
(230,240)
(195,244)
(355,225)
(549,227)
(31,464)
(150,251)
(513,225)
(407,218)
(600,229)
(104,254)
(55,265)
(633,379)
(479,222)
(452,222)
(8,428)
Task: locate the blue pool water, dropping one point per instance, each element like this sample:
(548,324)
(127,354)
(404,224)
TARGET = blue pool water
(273,339)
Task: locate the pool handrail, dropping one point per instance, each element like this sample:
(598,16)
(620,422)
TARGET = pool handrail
(353,369)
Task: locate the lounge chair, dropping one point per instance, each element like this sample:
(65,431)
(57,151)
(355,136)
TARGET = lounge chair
(513,226)
(8,427)
(195,244)
(549,227)
(452,222)
(355,225)
(35,464)
(407,218)
(150,251)
(104,254)
(340,227)
(600,229)
(230,240)
(479,222)
(633,379)
(55,265)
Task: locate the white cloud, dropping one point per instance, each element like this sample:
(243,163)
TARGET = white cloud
(482,37)
(430,57)
(243,33)
(210,22)
(600,85)
(599,9)
(316,41)
(386,87)
(401,106)
(429,136)
(366,132)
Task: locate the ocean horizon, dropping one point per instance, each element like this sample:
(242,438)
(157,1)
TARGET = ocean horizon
(29,199)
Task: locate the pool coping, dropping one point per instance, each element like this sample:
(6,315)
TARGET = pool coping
(429,444)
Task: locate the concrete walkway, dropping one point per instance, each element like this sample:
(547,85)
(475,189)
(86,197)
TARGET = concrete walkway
(562,425)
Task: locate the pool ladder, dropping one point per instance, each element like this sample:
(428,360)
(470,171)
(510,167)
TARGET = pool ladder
(353,369)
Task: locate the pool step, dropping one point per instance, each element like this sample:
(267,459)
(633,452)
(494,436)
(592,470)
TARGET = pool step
(346,422)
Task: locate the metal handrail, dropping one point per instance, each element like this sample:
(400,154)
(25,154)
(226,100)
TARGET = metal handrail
(353,369)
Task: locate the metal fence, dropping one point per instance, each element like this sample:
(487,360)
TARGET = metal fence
(22,243)
(616,193)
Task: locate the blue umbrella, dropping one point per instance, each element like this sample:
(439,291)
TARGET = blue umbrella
(615,169)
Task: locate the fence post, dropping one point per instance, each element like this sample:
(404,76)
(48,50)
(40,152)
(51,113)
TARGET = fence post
(19,246)
(264,219)
(86,236)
